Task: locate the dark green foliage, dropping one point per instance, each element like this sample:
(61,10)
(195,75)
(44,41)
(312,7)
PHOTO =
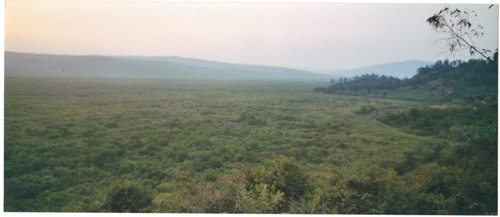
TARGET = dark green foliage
(441,82)
(375,191)
(282,173)
(106,155)
(126,197)
(460,123)
(251,119)
(315,156)
(465,179)
(474,169)
(296,153)
(409,164)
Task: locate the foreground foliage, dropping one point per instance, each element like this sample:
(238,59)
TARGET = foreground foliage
(137,145)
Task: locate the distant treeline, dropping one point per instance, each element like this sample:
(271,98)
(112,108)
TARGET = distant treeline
(458,79)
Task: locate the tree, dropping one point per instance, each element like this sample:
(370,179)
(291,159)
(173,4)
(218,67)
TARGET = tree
(461,32)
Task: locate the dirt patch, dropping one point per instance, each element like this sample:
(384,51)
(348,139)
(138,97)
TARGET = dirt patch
(447,106)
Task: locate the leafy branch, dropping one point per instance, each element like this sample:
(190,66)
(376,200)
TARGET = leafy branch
(461,31)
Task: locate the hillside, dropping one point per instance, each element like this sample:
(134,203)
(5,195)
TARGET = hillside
(172,67)
(396,69)
(443,81)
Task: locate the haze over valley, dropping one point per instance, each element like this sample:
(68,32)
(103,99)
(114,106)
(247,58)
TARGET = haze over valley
(168,67)
(179,67)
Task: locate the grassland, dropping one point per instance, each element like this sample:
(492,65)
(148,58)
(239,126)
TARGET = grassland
(68,139)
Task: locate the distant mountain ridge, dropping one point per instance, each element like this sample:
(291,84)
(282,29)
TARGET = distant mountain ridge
(396,69)
(187,61)
(173,67)
(219,65)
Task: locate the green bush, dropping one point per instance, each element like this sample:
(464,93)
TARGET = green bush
(282,172)
(127,197)
(366,110)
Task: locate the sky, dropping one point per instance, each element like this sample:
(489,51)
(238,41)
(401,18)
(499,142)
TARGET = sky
(314,36)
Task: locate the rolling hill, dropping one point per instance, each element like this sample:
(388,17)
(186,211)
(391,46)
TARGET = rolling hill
(172,67)
(396,69)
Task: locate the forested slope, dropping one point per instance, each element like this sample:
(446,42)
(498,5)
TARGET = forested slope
(443,81)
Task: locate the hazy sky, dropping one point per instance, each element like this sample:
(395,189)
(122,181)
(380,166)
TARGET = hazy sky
(297,35)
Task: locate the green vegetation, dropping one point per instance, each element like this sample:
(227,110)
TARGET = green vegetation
(443,82)
(104,144)
(461,179)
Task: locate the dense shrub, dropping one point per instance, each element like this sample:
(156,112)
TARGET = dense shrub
(366,110)
(126,197)
(282,172)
